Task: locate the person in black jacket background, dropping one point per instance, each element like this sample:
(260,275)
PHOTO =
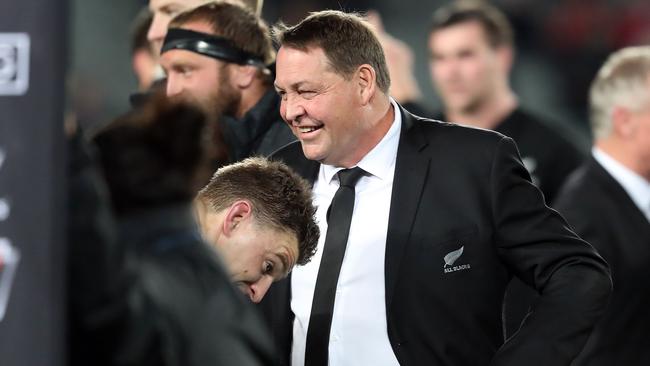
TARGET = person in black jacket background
(607,202)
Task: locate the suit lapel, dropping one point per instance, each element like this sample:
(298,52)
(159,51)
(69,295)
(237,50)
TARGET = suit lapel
(411,170)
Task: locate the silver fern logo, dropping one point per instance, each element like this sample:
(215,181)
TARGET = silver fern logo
(451,258)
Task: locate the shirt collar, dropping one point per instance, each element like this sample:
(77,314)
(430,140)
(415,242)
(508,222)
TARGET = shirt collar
(380,161)
(637,187)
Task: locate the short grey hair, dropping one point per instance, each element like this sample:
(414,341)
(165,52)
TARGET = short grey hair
(623,81)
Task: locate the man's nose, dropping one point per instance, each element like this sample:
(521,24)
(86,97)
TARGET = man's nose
(292,109)
(157,32)
(259,288)
(174,87)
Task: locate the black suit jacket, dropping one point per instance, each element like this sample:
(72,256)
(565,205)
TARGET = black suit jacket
(600,210)
(458,187)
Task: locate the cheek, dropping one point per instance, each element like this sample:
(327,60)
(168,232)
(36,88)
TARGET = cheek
(283,110)
(473,70)
(206,82)
(436,71)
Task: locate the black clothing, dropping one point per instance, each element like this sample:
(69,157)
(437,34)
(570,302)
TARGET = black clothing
(261,132)
(600,210)
(155,294)
(457,187)
(418,109)
(548,156)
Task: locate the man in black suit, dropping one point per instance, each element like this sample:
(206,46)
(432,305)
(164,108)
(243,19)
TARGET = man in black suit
(444,216)
(607,201)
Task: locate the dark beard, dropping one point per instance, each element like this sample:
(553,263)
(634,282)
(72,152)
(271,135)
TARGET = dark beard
(228,98)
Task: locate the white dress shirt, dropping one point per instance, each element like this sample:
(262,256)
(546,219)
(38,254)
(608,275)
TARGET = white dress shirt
(637,187)
(358,334)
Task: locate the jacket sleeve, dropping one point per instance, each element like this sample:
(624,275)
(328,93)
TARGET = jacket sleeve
(536,245)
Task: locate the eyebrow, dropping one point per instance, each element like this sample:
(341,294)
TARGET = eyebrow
(173,6)
(293,86)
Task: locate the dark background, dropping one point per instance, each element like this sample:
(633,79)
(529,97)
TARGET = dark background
(80,66)
(31,183)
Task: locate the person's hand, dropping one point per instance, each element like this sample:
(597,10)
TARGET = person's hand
(399,57)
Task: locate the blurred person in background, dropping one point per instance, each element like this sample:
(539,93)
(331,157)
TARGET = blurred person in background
(217,56)
(400,60)
(145,288)
(607,202)
(144,60)
(471,50)
(164,10)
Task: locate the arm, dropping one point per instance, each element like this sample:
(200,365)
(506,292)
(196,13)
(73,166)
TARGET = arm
(537,246)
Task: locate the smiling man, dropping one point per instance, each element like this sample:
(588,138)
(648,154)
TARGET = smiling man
(398,197)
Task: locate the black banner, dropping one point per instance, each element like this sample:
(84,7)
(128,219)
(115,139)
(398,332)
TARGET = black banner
(32,171)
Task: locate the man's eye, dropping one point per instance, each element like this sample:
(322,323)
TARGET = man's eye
(185,71)
(307,93)
(268,267)
(170,11)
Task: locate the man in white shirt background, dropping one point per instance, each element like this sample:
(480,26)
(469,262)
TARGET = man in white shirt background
(607,202)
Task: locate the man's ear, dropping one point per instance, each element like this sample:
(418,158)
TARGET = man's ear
(367,81)
(622,124)
(243,75)
(236,214)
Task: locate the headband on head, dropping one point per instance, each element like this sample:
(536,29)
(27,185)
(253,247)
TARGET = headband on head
(208,45)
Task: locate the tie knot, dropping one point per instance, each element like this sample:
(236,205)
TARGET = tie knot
(350,177)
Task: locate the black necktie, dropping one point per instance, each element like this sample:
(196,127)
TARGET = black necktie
(339,217)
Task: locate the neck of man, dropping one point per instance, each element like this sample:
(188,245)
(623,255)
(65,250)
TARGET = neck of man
(250,97)
(624,153)
(487,113)
(381,114)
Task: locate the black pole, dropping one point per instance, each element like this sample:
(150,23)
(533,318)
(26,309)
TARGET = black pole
(32,66)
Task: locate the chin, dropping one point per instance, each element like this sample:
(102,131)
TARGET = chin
(311,154)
